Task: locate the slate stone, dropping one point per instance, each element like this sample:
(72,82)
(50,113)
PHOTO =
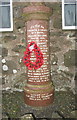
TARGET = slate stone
(70,58)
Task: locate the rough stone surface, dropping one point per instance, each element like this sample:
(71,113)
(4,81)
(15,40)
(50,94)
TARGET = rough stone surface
(64,103)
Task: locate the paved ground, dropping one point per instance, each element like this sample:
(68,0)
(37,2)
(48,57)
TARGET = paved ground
(63,107)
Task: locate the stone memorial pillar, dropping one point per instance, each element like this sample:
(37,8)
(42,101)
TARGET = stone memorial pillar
(39,90)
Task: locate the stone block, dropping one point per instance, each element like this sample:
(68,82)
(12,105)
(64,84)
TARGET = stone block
(70,58)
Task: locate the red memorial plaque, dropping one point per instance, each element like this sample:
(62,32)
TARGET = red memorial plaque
(39,90)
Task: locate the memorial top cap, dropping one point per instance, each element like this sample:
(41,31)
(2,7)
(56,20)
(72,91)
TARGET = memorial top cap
(37,11)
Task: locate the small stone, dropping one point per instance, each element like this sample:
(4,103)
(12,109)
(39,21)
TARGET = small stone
(8,88)
(74,114)
(17,54)
(20,60)
(3,61)
(54,60)
(11,65)
(5,67)
(22,32)
(27,117)
(54,63)
(63,68)
(63,89)
(14,71)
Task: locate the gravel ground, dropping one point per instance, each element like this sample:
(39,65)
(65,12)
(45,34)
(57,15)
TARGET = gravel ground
(63,107)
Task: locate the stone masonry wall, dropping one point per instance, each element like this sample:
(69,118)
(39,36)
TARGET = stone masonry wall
(62,50)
